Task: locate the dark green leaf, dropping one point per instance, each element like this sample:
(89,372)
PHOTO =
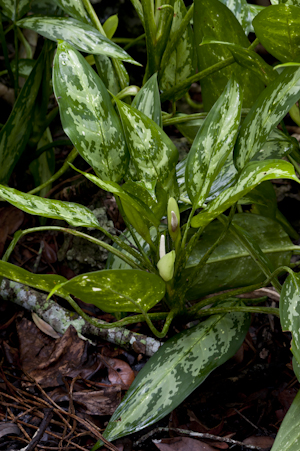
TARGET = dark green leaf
(25,66)
(74,214)
(15,133)
(15,9)
(43,167)
(114,290)
(87,114)
(241,10)
(269,109)
(82,36)
(73,8)
(277,28)
(153,153)
(175,370)
(107,73)
(230,265)
(214,143)
(148,100)
(190,128)
(213,19)
(254,173)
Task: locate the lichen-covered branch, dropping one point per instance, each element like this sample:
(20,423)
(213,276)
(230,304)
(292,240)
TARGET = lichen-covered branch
(60,318)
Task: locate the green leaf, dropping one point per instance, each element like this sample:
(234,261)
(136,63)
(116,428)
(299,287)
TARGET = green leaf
(148,100)
(230,265)
(289,432)
(43,167)
(241,10)
(82,36)
(214,143)
(269,109)
(110,26)
(156,201)
(87,114)
(277,145)
(182,62)
(117,290)
(73,8)
(16,132)
(43,282)
(25,66)
(74,214)
(175,370)
(190,128)
(277,28)
(289,308)
(107,73)
(213,19)
(15,9)
(254,173)
(117,190)
(153,153)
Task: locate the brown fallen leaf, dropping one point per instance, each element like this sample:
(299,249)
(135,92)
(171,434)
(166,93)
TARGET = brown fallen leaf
(44,327)
(10,220)
(9,429)
(182,444)
(119,372)
(48,360)
(261,442)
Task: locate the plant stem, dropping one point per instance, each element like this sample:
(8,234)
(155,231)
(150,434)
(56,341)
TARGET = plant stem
(70,158)
(134,41)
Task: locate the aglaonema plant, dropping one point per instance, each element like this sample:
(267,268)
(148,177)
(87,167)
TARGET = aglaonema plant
(234,155)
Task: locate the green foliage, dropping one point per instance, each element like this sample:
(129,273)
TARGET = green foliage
(163,259)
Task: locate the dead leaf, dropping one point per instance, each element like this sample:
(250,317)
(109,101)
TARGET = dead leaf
(119,372)
(44,327)
(9,428)
(10,220)
(48,360)
(182,444)
(261,442)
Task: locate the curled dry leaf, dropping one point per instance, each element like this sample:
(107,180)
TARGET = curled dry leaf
(119,372)
(261,442)
(44,327)
(182,444)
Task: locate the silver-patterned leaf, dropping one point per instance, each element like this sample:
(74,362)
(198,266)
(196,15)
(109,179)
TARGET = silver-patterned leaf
(153,153)
(175,370)
(214,143)
(288,437)
(82,36)
(254,173)
(74,8)
(241,10)
(268,110)
(148,100)
(74,214)
(290,310)
(15,9)
(87,114)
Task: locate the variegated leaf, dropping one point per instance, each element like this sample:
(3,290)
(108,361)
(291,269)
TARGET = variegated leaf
(288,437)
(16,132)
(182,62)
(290,310)
(118,290)
(74,214)
(107,73)
(277,28)
(15,9)
(82,36)
(73,8)
(117,190)
(175,370)
(277,145)
(148,100)
(269,109)
(230,266)
(240,9)
(254,173)
(87,114)
(214,143)
(153,153)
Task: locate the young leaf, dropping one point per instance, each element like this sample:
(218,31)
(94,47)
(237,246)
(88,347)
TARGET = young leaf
(175,370)
(277,28)
(213,19)
(289,432)
(15,133)
(74,214)
(110,26)
(117,290)
(87,114)
(290,310)
(82,36)
(269,109)
(254,173)
(214,143)
(230,265)
(153,153)
(148,100)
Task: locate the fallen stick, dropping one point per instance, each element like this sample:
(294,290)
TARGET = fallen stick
(60,319)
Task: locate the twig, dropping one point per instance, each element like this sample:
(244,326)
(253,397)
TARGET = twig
(198,435)
(60,319)
(48,413)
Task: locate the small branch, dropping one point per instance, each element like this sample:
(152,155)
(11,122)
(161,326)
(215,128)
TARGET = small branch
(60,319)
